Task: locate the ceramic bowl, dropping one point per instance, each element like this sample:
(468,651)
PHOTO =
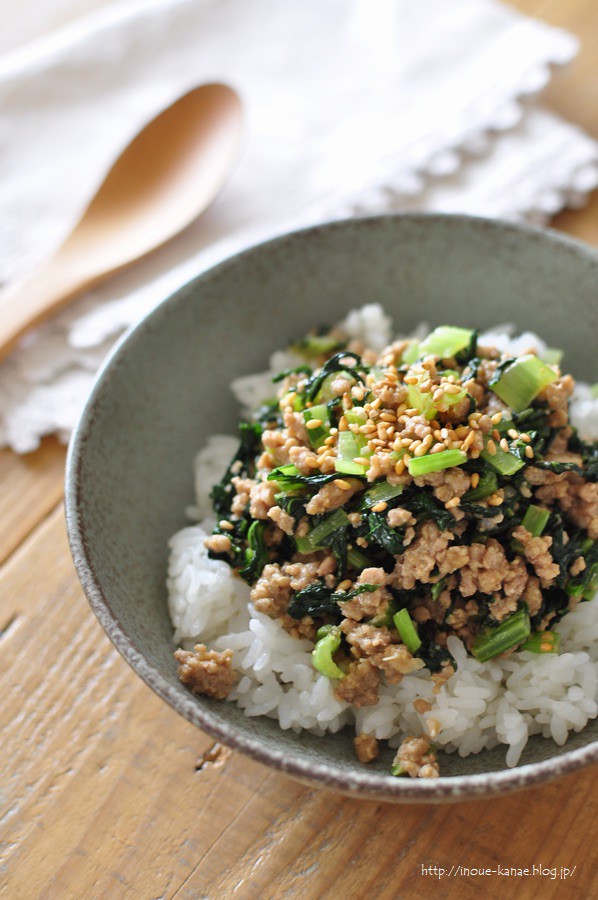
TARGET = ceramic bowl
(165,389)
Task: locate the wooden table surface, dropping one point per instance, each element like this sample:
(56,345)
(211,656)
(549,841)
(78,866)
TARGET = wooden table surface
(106,792)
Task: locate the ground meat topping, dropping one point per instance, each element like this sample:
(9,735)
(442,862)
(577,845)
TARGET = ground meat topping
(417,759)
(366,747)
(284,521)
(420,559)
(395,662)
(360,685)
(261,499)
(369,603)
(349,431)
(206,671)
(331,496)
(536,550)
(575,496)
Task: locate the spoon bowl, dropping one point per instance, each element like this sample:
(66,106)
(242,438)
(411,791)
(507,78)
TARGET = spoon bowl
(163,180)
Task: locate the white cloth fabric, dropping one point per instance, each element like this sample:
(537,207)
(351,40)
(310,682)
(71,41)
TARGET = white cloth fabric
(350,105)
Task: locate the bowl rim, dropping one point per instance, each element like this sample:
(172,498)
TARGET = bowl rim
(359,784)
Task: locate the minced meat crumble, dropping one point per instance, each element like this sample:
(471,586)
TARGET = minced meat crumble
(384,502)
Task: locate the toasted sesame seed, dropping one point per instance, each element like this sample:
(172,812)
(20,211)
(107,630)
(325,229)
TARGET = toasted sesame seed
(388,417)
(496,418)
(411,412)
(225,525)
(361,461)
(313,423)
(342,484)
(525,437)
(342,424)
(496,435)
(475,479)
(368,428)
(438,447)
(329,440)
(491,448)
(399,467)
(420,451)
(529,452)
(411,379)
(468,441)
(452,388)
(513,434)
(344,585)
(375,404)
(361,542)
(414,445)
(380,507)
(495,499)
(450,504)
(504,445)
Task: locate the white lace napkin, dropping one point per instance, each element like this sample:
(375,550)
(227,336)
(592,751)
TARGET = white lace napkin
(351,105)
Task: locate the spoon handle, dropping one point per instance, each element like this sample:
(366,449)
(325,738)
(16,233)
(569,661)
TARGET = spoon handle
(31,301)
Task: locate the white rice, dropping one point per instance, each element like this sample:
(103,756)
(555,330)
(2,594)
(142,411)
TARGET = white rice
(482,705)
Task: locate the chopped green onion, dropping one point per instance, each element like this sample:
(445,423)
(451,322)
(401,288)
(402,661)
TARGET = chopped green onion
(421,401)
(322,654)
(297,402)
(411,353)
(486,486)
(542,642)
(535,520)
(325,393)
(551,356)
(312,541)
(383,491)
(594,391)
(434,462)
(437,589)
(522,381)
(349,447)
(355,416)
(317,344)
(357,560)
(289,469)
(318,435)
(446,341)
(494,641)
(397,770)
(504,463)
(323,630)
(407,630)
(348,467)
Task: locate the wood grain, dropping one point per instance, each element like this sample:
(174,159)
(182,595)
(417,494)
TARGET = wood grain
(107,793)
(106,789)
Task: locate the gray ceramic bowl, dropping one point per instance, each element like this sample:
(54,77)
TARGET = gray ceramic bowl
(164,390)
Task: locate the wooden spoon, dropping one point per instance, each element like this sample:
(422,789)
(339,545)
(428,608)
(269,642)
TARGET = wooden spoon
(162,181)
